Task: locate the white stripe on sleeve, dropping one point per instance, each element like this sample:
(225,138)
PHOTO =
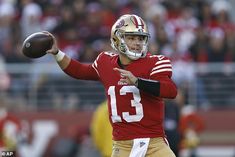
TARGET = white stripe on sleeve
(161,70)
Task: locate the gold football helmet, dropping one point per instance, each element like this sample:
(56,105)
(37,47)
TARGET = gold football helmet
(129,25)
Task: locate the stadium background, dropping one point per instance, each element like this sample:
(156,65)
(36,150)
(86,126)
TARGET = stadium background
(52,108)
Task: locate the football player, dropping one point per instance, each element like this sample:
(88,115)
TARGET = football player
(135,84)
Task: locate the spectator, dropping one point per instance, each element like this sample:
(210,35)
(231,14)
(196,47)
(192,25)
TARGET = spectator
(101,130)
(9,130)
(172,116)
(190,127)
(4,78)
(30,20)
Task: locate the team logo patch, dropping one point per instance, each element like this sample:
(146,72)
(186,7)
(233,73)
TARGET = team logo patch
(142,144)
(120,24)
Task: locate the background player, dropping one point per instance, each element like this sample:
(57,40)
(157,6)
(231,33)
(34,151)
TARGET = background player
(135,84)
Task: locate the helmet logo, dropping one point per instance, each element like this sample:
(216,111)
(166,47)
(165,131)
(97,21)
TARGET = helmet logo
(120,24)
(138,22)
(123,47)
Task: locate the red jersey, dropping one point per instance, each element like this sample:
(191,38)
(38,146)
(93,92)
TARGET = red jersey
(133,113)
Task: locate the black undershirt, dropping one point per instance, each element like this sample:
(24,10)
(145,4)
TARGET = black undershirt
(120,64)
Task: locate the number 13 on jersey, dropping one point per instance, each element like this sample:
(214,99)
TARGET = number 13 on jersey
(135,102)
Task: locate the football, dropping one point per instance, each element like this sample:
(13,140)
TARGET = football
(36,45)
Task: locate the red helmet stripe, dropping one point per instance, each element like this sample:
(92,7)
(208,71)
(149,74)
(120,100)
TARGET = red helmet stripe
(138,22)
(142,23)
(135,22)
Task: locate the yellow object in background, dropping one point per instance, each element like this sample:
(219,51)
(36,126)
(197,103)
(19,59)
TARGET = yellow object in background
(101,130)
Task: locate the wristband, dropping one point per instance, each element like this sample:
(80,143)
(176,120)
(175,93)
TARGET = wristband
(59,56)
(149,86)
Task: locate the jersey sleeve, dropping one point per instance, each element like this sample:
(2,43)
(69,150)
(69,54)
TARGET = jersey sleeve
(162,66)
(162,72)
(81,71)
(96,62)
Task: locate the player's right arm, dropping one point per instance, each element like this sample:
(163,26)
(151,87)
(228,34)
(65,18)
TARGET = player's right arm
(70,66)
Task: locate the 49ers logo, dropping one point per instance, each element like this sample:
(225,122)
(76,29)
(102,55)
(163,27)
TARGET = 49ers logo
(120,24)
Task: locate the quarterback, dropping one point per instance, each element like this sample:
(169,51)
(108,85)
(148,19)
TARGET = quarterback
(135,84)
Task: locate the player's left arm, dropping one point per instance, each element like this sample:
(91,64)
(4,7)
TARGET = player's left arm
(160,83)
(161,73)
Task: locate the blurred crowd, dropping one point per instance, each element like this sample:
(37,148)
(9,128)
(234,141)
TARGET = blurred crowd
(187,31)
(194,30)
